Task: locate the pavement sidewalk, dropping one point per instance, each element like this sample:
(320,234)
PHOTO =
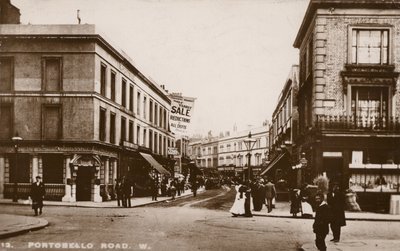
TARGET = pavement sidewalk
(282,209)
(15,224)
(356,245)
(135,202)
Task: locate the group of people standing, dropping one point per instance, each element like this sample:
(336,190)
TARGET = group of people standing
(124,190)
(257,193)
(329,212)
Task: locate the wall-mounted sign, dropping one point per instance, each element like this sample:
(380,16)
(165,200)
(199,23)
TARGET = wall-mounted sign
(181,114)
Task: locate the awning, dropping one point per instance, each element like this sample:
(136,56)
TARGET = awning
(273,163)
(153,163)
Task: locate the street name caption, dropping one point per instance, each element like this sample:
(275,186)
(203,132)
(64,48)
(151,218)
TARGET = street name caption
(79,245)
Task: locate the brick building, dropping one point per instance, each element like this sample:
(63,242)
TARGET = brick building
(85,113)
(349,100)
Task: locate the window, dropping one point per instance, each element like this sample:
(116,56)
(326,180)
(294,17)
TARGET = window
(6,121)
(369,105)
(6,73)
(144,137)
(131,131)
(53,166)
(21,174)
(123,93)
(370,46)
(165,145)
(144,106)
(102,124)
(138,104)
(165,119)
(113,86)
(155,142)
(151,139)
(138,135)
(151,111)
(160,124)
(131,98)
(112,128)
(160,144)
(51,77)
(103,70)
(51,122)
(123,129)
(156,114)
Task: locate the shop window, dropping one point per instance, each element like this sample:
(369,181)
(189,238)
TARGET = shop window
(370,46)
(53,167)
(22,163)
(6,73)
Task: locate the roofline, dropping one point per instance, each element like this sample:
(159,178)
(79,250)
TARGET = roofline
(102,42)
(351,4)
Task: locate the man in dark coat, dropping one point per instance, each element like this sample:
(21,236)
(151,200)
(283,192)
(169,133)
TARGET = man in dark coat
(118,191)
(270,193)
(321,222)
(127,192)
(37,195)
(336,201)
(154,187)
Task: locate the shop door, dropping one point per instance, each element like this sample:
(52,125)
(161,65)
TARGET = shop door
(84,184)
(334,169)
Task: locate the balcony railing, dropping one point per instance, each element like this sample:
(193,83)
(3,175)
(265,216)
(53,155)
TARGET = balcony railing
(358,123)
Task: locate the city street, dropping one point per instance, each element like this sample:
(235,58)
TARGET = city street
(194,223)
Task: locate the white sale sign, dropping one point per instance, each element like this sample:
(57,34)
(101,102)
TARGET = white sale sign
(181,114)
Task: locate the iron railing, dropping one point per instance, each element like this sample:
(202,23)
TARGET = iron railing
(53,191)
(361,123)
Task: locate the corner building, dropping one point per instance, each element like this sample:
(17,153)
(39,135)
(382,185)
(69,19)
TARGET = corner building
(85,113)
(349,100)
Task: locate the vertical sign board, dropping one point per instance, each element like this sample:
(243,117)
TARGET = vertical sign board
(181,114)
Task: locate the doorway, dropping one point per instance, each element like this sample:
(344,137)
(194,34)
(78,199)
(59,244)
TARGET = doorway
(84,184)
(334,169)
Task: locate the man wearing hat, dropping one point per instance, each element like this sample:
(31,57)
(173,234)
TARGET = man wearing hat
(37,195)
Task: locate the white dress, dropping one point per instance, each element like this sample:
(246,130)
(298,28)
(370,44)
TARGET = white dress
(238,205)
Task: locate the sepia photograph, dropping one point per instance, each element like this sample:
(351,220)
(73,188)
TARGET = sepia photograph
(200,125)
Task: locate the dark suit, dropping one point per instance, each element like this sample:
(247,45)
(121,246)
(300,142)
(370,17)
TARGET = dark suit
(270,193)
(37,195)
(321,225)
(336,202)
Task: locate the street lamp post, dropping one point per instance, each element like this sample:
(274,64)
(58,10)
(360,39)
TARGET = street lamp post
(16,140)
(249,143)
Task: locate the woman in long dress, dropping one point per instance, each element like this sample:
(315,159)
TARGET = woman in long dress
(238,205)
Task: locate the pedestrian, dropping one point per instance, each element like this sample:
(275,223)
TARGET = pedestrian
(182,186)
(154,187)
(118,191)
(321,222)
(258,195)
(295,202)
(37,195)
(237,208)
(336,202)
(195,186)
(164,187)
(246,191)
(270,193)
(172,188)
(178,187)
(127,192)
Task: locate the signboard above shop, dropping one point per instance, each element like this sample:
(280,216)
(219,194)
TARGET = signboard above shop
(172,151)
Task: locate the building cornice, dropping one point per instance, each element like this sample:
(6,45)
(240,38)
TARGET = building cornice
(314,5)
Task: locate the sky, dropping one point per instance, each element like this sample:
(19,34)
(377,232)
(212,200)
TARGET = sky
(233,56)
